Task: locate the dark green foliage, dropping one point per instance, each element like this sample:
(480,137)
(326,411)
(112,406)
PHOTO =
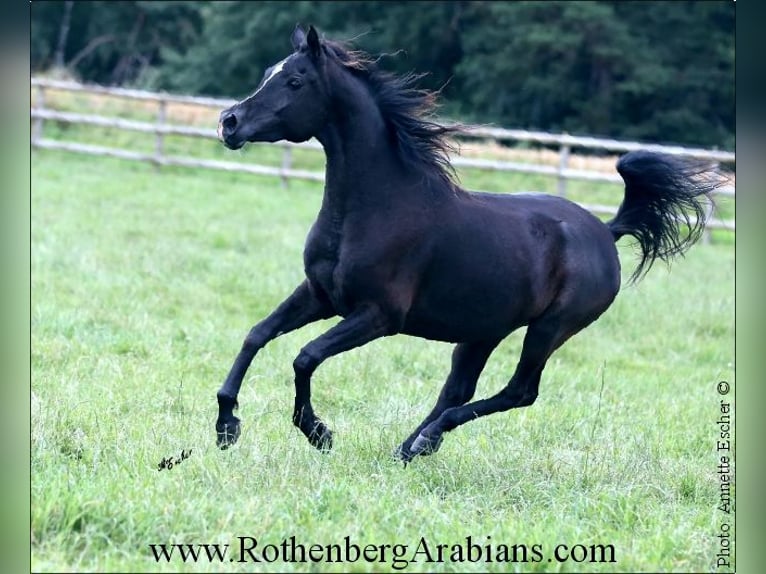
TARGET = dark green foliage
(649,70)
(112,42)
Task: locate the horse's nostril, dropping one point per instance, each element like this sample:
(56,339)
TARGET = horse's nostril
(230,122)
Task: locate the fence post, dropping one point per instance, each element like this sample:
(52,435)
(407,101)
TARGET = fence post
(287,160)
(709,213)
(37,128)
(159,148)
(563,163)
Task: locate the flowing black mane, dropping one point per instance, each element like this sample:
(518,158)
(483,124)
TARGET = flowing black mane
(407,111)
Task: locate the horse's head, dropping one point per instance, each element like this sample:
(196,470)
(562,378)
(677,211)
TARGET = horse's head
(290,103)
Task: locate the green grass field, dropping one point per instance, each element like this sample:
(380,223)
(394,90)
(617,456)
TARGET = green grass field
(145,282)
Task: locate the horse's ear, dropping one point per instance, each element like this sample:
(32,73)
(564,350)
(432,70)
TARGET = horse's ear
(298,37)
(312,39)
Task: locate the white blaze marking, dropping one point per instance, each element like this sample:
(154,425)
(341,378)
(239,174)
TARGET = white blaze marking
(275,70)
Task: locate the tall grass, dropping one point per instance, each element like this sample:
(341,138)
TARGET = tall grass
(144,284)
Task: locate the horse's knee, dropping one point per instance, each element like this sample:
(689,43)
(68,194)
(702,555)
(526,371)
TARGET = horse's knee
(304,364)
(253,341)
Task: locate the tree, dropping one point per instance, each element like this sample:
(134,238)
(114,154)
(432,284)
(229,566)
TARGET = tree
(650,70)
(108,42)
(681,88)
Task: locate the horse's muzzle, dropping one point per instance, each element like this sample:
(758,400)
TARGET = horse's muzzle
(227,130)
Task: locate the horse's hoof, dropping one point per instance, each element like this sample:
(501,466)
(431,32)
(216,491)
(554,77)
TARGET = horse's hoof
(227,433)
(403,454)
(321,438)
(424,445)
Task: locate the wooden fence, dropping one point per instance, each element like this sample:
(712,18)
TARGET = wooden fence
(40,112)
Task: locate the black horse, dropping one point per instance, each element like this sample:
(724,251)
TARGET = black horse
(399,247)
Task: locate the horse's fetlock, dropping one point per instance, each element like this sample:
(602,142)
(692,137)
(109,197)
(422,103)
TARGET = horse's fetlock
(528,399)
(302,415)
(226,401)
(458,396)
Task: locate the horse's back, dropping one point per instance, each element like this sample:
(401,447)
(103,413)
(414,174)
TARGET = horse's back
(544,217)
(537,206)
(498,261)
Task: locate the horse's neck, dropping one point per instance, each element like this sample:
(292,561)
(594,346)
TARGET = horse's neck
(363,172)
(356,150)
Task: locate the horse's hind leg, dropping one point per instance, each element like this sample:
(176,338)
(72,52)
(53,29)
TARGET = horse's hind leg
(468,360)
(543,337)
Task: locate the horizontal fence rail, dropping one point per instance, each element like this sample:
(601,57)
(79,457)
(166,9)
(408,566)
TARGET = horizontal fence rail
(39,113)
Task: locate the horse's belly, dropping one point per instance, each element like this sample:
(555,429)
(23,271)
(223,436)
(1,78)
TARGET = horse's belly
(455,314)
(449,333)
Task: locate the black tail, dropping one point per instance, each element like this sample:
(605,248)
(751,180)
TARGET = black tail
(664,205)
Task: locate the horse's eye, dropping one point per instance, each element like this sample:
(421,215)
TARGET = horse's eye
(294,83)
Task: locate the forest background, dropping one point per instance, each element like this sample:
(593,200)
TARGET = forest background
(653,71)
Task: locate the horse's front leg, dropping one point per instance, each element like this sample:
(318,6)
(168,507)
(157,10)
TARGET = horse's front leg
(363,325)
(299,309)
